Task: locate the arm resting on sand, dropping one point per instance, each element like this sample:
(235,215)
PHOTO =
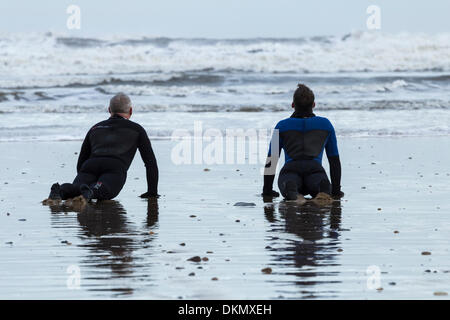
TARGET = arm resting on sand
(335,174)
(151,166)
(269,177)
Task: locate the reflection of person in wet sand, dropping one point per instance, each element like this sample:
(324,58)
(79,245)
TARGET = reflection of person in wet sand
(317,228)
(106,155)
(110,237)
(304,137)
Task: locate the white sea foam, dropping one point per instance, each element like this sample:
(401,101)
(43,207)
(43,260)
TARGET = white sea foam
(41,55)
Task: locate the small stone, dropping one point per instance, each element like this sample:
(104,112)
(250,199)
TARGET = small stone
(426,253)
(266,270)
(379,289)
(340,250)
(206,170)
(192,216)
(440,293)
(238,220)
(209,252)
(244,204)
(182,244)
(195,259)
(22,219)
(191,274)
(214,279)
(205,259)
(396,231)
(392,283)
(151,232)
(379,209)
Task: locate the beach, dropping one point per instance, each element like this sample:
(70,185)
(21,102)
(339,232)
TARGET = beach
(386,239)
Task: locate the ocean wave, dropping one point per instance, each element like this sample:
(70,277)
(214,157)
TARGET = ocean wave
(365,105)
(49,54)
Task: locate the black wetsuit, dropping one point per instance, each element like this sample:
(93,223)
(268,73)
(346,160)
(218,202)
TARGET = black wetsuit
(106,155)
(304,137)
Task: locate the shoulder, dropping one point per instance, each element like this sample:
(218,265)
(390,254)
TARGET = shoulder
(324,122)
(283,123)
(136,126)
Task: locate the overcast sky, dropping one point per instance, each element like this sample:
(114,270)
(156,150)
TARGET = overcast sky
(225,18)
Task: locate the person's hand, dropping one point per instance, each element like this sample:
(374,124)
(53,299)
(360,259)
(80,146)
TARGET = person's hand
(270,193)
(337,195)
(149,195)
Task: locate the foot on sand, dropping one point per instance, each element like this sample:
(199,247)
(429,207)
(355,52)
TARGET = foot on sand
(86,192)
(55,192)
(54,197)
(291,190)
(322,199)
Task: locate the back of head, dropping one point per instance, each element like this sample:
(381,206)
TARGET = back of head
(120,103)
(303,98)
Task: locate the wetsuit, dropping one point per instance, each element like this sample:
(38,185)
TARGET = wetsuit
(106,155)
(304,137)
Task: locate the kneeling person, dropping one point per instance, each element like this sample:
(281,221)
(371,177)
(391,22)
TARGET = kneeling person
(107,153)
(304,137)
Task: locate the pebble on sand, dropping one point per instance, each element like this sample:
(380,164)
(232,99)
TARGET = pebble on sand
(214,279)
(195,259)
(191,274)
(206,169)
(182,244)
(205,259)
(426,253)
(266,270)
(396,231)
(244,204)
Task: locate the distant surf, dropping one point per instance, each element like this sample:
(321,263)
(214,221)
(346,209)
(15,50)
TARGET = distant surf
(55,79)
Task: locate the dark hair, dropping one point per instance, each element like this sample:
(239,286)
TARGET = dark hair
(303,98)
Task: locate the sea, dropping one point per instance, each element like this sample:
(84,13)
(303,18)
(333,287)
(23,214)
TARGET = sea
(54,87)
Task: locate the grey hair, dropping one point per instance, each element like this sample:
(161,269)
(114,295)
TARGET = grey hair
(120,103)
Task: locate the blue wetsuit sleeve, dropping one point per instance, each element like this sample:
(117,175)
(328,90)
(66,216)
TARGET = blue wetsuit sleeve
(331,146)
(85,152)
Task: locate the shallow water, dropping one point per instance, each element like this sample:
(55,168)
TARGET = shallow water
(131,248)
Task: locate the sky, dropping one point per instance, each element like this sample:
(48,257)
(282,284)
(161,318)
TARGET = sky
(224,19)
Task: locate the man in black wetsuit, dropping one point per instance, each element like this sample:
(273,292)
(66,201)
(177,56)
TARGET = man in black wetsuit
(304,137)
(106,155)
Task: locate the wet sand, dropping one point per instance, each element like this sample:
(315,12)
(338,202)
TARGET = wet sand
(394,216)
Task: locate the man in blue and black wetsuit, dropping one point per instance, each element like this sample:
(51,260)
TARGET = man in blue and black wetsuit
(106,155)
(304,137)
